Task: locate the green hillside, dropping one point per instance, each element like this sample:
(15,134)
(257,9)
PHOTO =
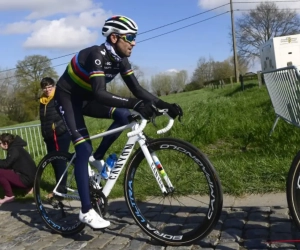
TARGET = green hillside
(232,127)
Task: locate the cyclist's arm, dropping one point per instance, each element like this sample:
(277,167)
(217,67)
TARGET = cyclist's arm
(97,81)
(137,90)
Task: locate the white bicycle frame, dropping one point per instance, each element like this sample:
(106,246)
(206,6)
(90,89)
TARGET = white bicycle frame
(136,135)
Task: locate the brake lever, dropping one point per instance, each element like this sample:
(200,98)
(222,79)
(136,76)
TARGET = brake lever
(158,112)
(153,121)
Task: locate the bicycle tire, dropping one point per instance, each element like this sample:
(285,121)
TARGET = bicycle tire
(293,190)
(66,221)
(173,226)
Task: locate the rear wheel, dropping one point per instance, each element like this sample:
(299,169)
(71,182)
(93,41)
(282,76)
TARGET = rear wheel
(60,214)
(184,214)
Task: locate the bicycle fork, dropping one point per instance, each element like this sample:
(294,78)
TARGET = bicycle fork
(157,170)
(162,172)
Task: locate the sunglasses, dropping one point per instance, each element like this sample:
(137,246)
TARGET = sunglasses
(128,37)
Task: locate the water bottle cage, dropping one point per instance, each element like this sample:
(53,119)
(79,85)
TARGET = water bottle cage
(109,165)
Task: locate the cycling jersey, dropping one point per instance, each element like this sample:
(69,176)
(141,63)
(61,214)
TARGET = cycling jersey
(92,68)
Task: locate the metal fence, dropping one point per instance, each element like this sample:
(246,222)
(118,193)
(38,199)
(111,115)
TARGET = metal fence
(284,89)
(32,135)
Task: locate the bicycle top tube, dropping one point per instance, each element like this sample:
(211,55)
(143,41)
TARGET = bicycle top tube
(136,129)
(113,131)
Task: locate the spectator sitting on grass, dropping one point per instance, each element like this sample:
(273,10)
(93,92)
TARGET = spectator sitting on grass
(18,169)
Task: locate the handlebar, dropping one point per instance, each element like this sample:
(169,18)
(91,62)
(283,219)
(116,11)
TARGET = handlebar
(143,124)
(168,127)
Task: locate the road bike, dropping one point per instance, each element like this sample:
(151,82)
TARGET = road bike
(171,189)
(293,190)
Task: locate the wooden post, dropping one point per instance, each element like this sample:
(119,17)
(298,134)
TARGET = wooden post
(259,78)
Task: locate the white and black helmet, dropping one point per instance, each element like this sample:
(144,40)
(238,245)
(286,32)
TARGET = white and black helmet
(120,25)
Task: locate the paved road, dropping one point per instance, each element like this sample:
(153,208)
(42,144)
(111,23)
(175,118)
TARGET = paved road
(245,223)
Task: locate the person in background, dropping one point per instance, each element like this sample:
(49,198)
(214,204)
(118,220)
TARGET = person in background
(53,127)
(18,169)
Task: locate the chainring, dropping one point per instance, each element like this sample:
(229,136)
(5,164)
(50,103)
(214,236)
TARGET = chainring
(99,201)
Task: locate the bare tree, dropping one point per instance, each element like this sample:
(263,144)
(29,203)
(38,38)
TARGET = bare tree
(161,84)
(124,91)
(112,86)
(179,80)
(139,74)
(203,71)
(9,102)
(155,85)
(7,82)
(259,25)
(145,84)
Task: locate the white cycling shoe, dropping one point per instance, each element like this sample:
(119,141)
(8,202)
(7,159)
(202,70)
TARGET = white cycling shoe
(93,219)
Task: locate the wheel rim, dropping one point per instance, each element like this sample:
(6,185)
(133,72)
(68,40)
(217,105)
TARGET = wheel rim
(295,190)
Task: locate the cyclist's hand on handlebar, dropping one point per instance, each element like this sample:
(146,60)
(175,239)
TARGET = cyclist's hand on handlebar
(174,109)
(145,108)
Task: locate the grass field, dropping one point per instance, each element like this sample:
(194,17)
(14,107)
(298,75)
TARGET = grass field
(232,128)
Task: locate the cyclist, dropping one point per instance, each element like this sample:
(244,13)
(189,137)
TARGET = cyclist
(81,90)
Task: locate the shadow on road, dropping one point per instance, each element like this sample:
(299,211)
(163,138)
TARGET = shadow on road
(247,227)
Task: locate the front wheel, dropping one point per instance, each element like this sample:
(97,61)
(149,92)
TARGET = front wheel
(293,190)
(190,209)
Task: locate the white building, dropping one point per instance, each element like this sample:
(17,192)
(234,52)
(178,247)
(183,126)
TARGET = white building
(280,52)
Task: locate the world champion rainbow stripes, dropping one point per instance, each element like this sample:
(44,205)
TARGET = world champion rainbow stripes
(81,76)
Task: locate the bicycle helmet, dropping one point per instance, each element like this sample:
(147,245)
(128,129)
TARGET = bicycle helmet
(120,25)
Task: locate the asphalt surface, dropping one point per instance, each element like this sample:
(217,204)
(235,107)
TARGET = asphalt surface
(251,222)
